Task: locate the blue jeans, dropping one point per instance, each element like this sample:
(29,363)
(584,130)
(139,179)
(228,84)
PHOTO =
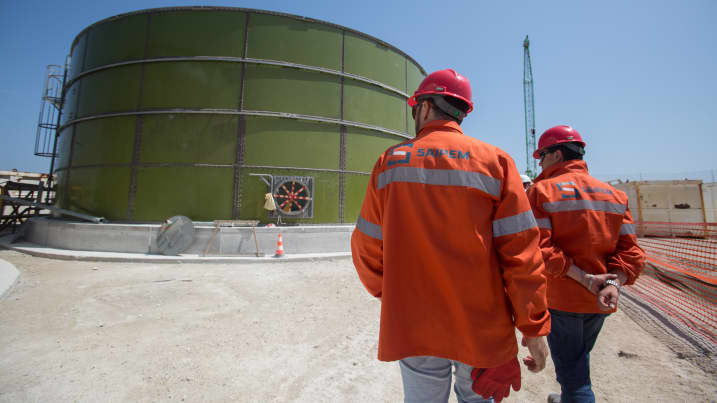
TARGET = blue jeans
(428,380)
(572,337)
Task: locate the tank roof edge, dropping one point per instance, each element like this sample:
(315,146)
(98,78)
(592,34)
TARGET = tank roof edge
(250,10)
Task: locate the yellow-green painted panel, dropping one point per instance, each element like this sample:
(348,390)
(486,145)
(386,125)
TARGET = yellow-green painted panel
(410,123)
(77,57)
(414,78)
(60,186)
(366,103)
(354,193)
(104,141)
(112,90)
(196,33)
(200,193)
(101,192)
(64,147)
(364,146)
(69,108)
(191,85)
(286,39)
(370,59)
(281,89)
(291,143)
(116,41)
(178,138)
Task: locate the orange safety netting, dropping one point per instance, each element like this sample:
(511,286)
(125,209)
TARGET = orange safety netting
(679,282)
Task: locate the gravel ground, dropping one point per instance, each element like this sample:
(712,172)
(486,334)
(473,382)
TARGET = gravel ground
(271,332)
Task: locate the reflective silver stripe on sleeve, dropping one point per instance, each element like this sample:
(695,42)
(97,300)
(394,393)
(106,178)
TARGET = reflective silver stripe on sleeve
(627,229)
(544,223)
(445,177)
(369,228)
(573,205)
(513,224)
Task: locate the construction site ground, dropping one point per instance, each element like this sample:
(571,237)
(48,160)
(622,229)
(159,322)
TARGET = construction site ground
(283,331)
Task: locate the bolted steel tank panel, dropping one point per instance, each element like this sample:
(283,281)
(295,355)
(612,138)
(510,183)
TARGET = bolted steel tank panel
(168,112)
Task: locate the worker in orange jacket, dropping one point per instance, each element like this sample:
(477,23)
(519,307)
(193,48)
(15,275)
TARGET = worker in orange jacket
(588,242)
(447,241)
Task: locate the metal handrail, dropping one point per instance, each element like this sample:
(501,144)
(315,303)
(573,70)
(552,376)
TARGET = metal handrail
(62,211)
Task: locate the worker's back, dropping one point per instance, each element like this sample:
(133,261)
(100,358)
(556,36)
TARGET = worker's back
(586,218)
(445,202)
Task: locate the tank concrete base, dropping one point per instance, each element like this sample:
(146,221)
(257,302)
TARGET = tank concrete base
(210,243)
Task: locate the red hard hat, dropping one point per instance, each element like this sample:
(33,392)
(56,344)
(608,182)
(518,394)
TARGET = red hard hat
(556,135)
(447,83)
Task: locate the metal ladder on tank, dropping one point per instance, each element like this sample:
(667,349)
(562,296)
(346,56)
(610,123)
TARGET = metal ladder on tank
(52,100)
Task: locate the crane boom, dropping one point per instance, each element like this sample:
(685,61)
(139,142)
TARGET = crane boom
(531,168)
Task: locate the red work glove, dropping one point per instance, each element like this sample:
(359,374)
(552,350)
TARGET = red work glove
(496,382)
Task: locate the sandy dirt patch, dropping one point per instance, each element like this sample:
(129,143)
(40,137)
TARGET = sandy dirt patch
(274,332)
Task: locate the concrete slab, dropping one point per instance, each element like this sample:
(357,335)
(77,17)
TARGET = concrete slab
(8,276)
(91,255)
(208,240)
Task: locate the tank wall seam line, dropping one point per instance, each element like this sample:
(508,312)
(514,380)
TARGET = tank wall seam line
(306,169)
(269,114)
(341,100)
(202,165)
(239,165)
(139,126)
(241,130)
(342,173)
(237,173)
(242,60)
(342,133)
(133,167)
(245,48)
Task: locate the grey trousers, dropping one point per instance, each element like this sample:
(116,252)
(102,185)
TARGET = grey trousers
(428,380)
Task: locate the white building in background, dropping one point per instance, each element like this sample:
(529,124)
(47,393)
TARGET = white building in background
(671,202)
(23,177)
(709,199)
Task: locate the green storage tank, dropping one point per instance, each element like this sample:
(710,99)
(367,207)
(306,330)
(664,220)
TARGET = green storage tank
(170,111)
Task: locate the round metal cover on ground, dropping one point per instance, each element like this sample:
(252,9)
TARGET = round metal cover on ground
(175,235)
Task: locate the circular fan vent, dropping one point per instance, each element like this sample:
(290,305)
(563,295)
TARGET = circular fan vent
(292,197)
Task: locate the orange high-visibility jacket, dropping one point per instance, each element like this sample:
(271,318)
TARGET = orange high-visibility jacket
(583,221)
(447,240)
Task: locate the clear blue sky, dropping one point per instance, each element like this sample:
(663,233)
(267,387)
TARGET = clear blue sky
(635,78)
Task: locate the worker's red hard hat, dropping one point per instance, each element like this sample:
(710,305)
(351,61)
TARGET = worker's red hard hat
(556,135)
(447,83)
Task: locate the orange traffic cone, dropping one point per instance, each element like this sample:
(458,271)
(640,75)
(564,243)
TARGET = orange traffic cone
(279,248)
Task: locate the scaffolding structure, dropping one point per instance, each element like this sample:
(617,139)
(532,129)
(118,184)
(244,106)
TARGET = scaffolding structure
(19,202)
